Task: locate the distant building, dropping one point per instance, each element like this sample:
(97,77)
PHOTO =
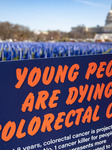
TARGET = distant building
(100,29)
(41,32)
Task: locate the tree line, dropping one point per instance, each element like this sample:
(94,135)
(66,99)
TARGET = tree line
(17,32)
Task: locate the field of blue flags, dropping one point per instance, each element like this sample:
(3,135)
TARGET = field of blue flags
(32,50)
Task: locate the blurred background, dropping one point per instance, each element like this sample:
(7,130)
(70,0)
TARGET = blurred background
(56,20)
(32,29)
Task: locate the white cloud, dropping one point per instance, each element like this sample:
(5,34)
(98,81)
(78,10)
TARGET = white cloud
(88,2)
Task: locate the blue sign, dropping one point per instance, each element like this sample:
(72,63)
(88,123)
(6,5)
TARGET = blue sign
(56,104)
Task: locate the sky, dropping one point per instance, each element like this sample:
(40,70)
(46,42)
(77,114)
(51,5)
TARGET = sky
(54,14)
